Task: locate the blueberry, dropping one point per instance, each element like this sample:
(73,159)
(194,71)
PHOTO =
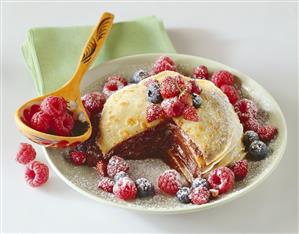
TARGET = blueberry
(249,137)
(196,100)
(154,94)
(200,182)
(144,188)
(139,76)
(258,150)
(119,175)
(183,195)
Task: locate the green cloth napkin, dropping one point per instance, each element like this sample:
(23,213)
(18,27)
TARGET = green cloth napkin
(52,54)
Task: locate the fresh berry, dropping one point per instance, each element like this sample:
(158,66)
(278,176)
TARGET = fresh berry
(251,124)
(240,169)
(194,87)
(164,63)
(220,78)
(245,109)
(77,157)
(125,189)
(200,72)
(118,78)
(139,76)
(222,179)
(106,184)
(144,188)
(186,98)
(200,195)
(182,84)
(54,106)
(169,87)
(36,173)
(62,125)
(173,107)
(153,93)
(29,112)
(41,121)
(267,132)
(183,195)
(169,182)
(116,164)
(112,86)
(101,168)
(93,155)
(231,93)
(149,81)
(196,100)
(258,150)
(154,112)
(190,113)
(200,182)
(249,137)
(119,175)
(94,102)
(26,153)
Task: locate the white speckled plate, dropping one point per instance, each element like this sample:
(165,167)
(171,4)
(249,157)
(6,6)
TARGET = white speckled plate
(84,179)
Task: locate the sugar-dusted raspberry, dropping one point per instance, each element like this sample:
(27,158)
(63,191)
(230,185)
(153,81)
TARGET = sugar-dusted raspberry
(240,169)
(195,88)
(54,106)
(200,72)
(118,78)
(222,77)
(164,63)
(173,107)
(41,121)
(36,173)
(94,102)
(267,132)
(245,109)
(62,125)
(154,112)
(169,182)
(231,93)
(116,164)
(106,184)
(101,168)
(190,113)
(112,86)
(222,179)
(125,189)
(26,153)
(200,195)
(186,98)
(77,157)
(182,84)
(169,87)
(251,124)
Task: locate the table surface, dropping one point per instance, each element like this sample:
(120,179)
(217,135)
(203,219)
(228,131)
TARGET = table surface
(256,38)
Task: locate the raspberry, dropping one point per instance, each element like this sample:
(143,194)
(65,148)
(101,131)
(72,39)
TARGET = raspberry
(26,153)
(106,184)
(144,188)
(62,125)
(200,72)
(231,93)
(40,121)
(222,179)
(267,132)
(240,169)
(116,164)
(112,86)
(118,78)
(54,106)
(245,109)
(94,102)
(195,88)
(220,78)
(169,87)
(125,189)
(200,195)
(101,168)
(169,182)
(36,173)
(77,157)
(164,63)
(29,112)
(190,113)
(182,84)
(173,107)
(251,124)
(153,112)
(186,98)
